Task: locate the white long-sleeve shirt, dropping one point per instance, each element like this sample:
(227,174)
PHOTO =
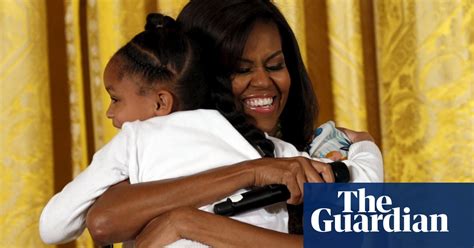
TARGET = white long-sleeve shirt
(176,145)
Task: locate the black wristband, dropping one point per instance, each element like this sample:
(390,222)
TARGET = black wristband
(340,171)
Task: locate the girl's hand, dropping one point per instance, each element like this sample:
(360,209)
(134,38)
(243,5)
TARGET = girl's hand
(162,230)
(357,136)
(292,172)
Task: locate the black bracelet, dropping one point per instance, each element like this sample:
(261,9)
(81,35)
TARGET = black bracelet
(341,172)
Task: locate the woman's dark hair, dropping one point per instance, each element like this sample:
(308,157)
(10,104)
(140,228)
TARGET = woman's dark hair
(224,102)
(164,54)
(228,24)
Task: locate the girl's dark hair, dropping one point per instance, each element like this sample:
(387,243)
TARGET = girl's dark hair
(228,24)
(165,54)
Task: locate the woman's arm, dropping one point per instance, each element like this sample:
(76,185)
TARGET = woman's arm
(122,211)
(210,229)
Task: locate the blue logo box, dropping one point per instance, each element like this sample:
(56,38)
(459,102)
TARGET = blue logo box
(389,215)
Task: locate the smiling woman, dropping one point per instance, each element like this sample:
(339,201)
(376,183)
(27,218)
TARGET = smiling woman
(261,81)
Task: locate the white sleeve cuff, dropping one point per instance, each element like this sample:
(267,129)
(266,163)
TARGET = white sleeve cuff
(365,162)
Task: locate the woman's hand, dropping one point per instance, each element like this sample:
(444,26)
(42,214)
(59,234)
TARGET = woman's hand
(292,172)
(355,136)
(210,229)
(162,230)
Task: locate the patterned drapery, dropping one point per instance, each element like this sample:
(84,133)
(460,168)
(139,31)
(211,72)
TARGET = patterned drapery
(402,69)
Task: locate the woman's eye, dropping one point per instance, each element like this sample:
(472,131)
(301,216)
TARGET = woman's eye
(276,67)
(113,99)
(243,70)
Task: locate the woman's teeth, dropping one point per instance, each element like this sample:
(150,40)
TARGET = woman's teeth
(259,102)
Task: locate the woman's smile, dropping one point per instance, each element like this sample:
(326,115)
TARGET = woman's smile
(261,104)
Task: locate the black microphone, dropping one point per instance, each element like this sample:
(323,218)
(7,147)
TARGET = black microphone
(340,171)
(253,199)
(270,194)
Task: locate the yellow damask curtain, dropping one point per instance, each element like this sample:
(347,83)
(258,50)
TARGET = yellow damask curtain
(402,69)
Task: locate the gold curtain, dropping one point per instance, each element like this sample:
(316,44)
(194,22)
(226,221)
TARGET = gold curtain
(402,69)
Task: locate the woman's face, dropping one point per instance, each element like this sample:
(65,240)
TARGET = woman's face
(262,82)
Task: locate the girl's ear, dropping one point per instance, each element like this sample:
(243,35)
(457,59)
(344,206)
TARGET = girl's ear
(164,103)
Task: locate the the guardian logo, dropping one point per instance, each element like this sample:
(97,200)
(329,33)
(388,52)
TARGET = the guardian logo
(373,213)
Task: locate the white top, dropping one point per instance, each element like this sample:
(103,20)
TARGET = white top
(180,144)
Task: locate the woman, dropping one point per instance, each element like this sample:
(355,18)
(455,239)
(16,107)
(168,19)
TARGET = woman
(257,50)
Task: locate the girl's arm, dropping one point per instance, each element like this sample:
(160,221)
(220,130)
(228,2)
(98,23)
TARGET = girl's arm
(63,218)
(210,229)
(364,160)
(122,211)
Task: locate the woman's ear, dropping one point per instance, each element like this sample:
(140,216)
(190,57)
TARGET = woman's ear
(164,103)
